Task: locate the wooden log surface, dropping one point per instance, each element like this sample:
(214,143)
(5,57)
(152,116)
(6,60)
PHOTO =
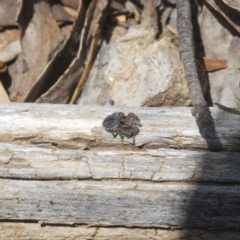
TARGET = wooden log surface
(30,231)
(58,166)
(126,203)
(156,165)
(81,127)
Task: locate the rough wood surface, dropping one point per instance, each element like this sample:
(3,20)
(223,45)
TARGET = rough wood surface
(39,163)
(29,231)
(58,167)
(125,203)
(81,127)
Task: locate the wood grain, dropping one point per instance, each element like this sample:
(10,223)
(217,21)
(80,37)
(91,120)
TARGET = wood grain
(58,166)
(35,162)
(29,231)
(81,127)
(126,203)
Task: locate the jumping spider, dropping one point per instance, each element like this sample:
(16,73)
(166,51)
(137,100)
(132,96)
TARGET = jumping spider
(124,126)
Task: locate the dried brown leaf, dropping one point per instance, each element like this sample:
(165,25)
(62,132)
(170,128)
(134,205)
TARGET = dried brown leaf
(60,14)
(230,14)
(71,3)
(99,17)
(10,51)
(212,64)
(3,95)
(72,12)
(143,72)
(3,67)
(40,35)
(2,64)
(131,7)
(119,18)
(217,41)
(47,84)
(117,5)
(8,12)
(7,36)
(235,4)
(62,90)
(66,30)
(87,67)
(233,67)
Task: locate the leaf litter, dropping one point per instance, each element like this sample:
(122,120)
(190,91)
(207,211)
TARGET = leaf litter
(93,52)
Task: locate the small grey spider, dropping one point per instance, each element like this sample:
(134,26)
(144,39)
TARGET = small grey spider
(124,126)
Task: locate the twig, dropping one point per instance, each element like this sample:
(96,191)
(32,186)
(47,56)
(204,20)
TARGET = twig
(87,67)
(186,49)
(230,110)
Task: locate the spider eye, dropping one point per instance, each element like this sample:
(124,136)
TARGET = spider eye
(121,114)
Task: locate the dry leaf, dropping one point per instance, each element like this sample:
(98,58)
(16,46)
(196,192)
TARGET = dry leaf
(235,4)
(71,3)
(231,15)
(212,64)
(58,65)
(137,70)
(2,64)
(216,41)
(7,36)
(66,30)
(40,36)
(116,32)
(72,12)
(117,6)
(60,14)
(131,7)
(87,67)
(8,12)
(10,51)
(119,18)
(233,68)
(3,95)
(99,17)
(3,67)
(62,90)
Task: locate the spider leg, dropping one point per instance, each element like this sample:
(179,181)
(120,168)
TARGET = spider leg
(134,131)
(122,137)
(121,134)
(134,140)
(114,134)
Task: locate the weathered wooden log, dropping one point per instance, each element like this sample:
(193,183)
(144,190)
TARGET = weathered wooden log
(162,165)
(81,127)
(58,166)
(30,231)
(126,203)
